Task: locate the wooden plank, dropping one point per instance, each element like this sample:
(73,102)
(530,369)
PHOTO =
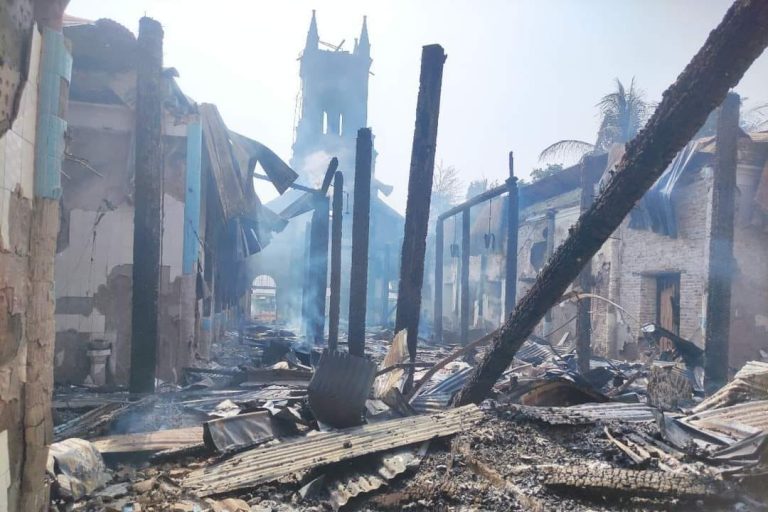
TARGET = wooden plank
(149,441)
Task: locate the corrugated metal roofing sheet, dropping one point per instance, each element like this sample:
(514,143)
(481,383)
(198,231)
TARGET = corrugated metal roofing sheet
(265,464)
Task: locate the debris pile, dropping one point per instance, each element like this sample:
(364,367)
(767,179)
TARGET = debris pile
(343,431)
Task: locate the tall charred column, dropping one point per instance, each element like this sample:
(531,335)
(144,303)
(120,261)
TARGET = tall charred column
(148,195)
(318,270)
(438,307)
(337,217)
(584,305)
(464,285)
(721,245)
(513,222)
(419,193)
(358,279)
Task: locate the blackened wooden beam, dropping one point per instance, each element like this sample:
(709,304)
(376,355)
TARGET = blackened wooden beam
(438,306)
(719,65)
(464,308)
(318,270)
(361,212)
(513,226)
(148,199)
(419,194)
(337,216)
(721,264)
(584,305)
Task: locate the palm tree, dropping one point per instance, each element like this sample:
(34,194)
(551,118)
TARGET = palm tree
(623,112)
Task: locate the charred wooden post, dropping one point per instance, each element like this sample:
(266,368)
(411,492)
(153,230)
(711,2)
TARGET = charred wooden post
(318,270)
(464,284)
(550,251)
(361,213)
(305,289)
(419,194)
(721,263)
(584,305)
(148,199)
(726,55)
(513,225)
(385,286)
(336,220)
(438,307)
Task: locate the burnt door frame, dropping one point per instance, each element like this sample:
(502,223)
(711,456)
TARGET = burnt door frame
(663,282)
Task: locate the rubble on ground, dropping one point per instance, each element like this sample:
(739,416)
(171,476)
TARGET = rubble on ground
(244,434)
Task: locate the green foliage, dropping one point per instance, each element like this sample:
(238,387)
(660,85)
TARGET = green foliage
(549,170)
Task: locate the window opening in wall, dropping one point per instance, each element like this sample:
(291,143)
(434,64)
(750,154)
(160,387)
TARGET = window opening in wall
(341,124)
(325,123)
(263,299)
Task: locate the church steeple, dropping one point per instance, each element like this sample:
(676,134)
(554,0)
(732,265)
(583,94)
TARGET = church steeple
(313,39)
(364,45)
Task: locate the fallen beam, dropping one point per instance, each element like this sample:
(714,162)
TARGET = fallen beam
(266,464)
(726,55)
(149,441)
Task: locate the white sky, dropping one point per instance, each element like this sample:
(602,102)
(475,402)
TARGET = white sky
(520,74)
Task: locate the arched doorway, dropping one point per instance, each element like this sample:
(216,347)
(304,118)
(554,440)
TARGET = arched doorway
(263,303)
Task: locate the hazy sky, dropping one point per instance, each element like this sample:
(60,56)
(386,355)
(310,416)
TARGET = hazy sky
(520,74)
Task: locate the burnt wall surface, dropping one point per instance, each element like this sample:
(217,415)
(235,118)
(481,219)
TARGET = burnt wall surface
(17,147)
(95,246)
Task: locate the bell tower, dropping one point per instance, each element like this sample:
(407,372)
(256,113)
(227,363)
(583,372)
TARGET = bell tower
(334,101)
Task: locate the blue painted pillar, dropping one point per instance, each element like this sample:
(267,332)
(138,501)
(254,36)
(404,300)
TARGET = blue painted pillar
(55,67)
(192,198)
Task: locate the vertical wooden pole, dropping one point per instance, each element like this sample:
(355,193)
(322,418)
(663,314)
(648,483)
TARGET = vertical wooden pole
(419,194)
(318,269)
(464,285)
(438,307)
(584,305)
(513,222)
(385,286)
(721,245)
(361,211)
(148,198)
(336,225)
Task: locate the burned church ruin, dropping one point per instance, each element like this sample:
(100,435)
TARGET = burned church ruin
(588,337)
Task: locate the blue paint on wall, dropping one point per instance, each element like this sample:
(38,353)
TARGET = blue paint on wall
(192,199)
(206,323)
(55,67)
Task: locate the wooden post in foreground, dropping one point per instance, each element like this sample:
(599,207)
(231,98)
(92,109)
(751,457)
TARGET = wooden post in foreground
(718,322)
(337,216)
(419,195)
(148,198)
(726,55)
(361,218)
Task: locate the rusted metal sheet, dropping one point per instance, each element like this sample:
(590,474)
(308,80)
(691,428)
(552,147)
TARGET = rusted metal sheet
(285,376)
(735,422)
(269,463)
(149,441)
(339,388)
(280,174)
(96,419)
(749,383)
(588,413)
(241,431)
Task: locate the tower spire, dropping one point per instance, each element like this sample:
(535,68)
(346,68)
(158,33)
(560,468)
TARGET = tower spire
(364,45)
(312,37)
